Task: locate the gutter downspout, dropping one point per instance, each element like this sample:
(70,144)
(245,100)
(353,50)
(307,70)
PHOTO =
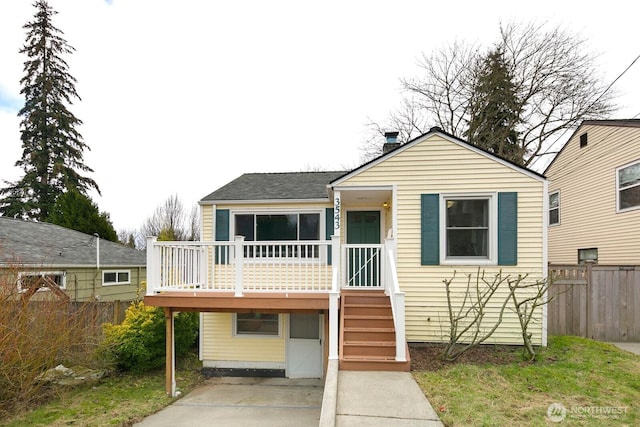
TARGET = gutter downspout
(95,276)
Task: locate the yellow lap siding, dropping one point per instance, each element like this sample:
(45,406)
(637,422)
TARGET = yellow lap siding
(439,166)
(586,180)
(219,343)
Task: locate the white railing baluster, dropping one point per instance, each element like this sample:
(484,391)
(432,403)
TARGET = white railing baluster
(241,266)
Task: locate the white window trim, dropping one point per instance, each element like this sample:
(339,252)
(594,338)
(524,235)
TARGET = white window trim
(550,208)
(105,283)
(287,211)
(492,251)
(42,273)
(253,336)
(618,188)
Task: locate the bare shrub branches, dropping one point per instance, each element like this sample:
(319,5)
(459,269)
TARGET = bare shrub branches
(526,306)
(467,322)
(38,335)
(479,310)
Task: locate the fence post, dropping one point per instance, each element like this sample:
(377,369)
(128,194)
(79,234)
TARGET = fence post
(116,312)
(589,278)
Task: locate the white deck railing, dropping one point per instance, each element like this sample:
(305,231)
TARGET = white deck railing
(239,266)
(284,266)
(362,264)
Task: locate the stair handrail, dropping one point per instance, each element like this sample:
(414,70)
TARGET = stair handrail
(396,296)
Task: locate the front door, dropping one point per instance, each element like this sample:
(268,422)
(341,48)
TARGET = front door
(363,228)
(304,346)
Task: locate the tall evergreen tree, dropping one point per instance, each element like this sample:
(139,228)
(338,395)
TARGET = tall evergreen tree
(77,212)
(495,110)
(52,148)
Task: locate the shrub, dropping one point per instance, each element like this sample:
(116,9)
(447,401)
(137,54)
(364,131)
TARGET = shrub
(138,343)
(36,336)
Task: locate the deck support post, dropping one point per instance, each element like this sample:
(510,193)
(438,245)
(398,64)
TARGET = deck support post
(170,359)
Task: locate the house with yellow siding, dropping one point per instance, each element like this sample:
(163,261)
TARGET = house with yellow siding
(295,269)
(594,195)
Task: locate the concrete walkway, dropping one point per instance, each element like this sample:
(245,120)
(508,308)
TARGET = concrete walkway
(632,347)
(382,399)
(347,398)
(238,402)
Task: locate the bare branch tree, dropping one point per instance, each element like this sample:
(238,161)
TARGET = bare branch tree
(170,221)
(554,74)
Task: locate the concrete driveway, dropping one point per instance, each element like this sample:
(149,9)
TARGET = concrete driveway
(245,402)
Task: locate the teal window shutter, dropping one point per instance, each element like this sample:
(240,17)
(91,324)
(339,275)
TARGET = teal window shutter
(508,228)
(222,225)
(429,229)
(222,234)
(328,231)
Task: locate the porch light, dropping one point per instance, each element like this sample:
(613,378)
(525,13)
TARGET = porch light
(385,205)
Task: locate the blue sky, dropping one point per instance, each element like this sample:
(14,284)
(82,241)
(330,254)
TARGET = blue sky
(183,96)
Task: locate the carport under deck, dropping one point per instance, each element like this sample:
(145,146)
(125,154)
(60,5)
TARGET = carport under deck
(311,277)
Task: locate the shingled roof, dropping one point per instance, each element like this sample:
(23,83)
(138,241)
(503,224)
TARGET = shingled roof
(276,186)
(44,244)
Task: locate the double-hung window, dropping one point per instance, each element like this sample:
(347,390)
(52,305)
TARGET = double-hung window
(468,228)
(279,227)
(628,186)
(554,208)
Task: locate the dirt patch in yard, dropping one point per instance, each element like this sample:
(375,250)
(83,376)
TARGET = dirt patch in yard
(428,356)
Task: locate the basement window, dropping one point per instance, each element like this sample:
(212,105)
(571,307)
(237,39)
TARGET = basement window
(590,254)
(257,324)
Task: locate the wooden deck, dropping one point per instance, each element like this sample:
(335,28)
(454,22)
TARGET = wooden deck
(263,302)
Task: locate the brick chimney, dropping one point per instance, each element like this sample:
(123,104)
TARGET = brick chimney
(391,142)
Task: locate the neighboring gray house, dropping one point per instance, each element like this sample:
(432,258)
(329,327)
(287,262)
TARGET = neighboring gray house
(85,267)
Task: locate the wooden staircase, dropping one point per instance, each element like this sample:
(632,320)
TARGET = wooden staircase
(367,333)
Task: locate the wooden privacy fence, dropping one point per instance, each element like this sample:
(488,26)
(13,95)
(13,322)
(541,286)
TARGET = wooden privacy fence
(93,314)
(601,302)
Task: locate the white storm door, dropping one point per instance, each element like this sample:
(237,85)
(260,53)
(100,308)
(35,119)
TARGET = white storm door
(304,346)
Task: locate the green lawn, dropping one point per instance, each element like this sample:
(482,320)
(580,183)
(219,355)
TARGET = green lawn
(597,384)
(118,400)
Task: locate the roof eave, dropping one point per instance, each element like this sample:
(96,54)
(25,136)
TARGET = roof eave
(262,202)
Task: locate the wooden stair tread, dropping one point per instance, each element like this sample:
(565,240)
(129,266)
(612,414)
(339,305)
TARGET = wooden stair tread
(369,358)
(371,343)
(347,306)
(367,329)
(368,316)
